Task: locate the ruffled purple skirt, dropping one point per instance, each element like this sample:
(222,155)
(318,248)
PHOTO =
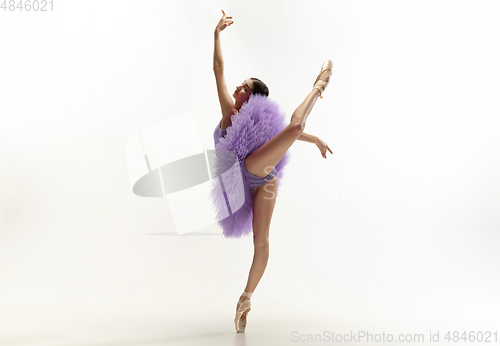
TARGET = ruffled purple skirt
(258,120)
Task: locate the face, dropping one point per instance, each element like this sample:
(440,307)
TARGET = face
(243,92)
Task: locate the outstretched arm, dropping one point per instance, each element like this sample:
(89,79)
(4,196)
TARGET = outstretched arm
(225,100)
(308,138)
(223,23)
(321,144)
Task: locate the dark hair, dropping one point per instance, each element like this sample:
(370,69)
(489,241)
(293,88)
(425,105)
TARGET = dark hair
(259,87)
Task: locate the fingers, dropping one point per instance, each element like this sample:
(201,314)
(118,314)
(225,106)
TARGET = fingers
(225,19)
(323,152)
(224,14)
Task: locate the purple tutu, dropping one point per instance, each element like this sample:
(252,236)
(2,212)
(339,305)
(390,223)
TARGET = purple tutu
(258,120)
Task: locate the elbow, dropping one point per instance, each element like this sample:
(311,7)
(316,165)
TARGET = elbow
(297,128)
(217,66)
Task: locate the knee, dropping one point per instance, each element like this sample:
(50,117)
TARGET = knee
(261,244)
(296,127)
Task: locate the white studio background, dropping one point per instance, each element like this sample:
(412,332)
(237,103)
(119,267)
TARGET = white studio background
(398,230)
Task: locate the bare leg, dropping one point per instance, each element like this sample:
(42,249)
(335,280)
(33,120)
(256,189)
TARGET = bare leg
(264,199)
(262,161)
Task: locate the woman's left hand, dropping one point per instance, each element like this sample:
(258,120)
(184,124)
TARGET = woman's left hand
(323,147)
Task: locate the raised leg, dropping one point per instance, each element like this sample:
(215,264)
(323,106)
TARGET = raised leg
(262,161)
(264,199)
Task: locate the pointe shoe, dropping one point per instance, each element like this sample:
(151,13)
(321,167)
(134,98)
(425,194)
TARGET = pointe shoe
(242,309)
(321,84)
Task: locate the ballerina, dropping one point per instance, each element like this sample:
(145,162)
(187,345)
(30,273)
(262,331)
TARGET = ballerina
(258,163)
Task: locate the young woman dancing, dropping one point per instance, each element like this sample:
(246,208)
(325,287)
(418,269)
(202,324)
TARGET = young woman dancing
(258,163)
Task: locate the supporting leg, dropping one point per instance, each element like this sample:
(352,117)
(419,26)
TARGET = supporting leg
(264,200)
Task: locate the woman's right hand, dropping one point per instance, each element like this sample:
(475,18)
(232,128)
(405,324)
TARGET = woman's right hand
(223,23)
(323,147)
